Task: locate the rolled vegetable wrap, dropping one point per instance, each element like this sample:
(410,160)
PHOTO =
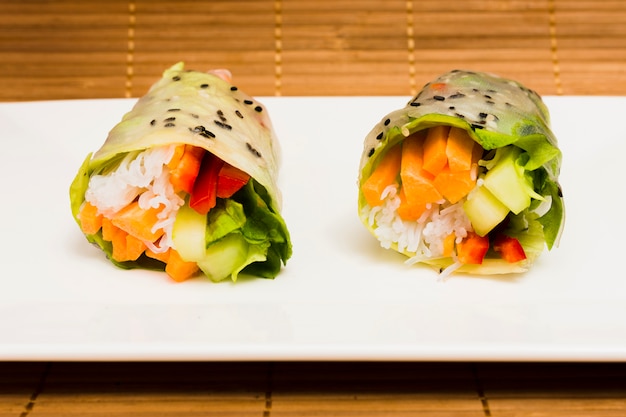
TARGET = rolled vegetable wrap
(465,176)
(187,182)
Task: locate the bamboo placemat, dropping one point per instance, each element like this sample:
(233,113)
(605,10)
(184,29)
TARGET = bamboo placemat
(69,49)
(312,389)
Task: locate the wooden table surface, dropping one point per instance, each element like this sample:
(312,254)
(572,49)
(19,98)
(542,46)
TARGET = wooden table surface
(73,49)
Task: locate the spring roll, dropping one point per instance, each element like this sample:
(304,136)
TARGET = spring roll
(464,177)
(187,182)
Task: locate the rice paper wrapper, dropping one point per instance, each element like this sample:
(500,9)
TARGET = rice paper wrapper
(496,112)
(196,108)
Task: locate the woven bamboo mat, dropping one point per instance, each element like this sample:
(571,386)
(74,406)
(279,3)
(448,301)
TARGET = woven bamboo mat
(312,389)
(68,49)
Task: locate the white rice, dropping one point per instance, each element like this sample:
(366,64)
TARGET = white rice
(140,175)
(421,239)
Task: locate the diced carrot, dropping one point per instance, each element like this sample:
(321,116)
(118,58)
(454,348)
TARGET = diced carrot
(90,220)
(416,182)
(178,154)
(472,249)
(138,222)
(459,149)
(108,229)
(435,149)
(454,185)
(185,167)
(448,244)
(406,211)
(117,237)
(178,269)
(161,256)
(383,175)
(134,247)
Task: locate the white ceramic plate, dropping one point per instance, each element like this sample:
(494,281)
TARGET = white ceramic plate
(341,296)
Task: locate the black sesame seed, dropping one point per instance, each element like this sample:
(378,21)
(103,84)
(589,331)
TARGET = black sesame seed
(169,119)
(380,136)
(238,113)
(201,130)
(459,115)
(173,110)
(233,88)
(487,96)
(482,115)
(248,102)
(176,78)
(451,108)
(169,125)
(477,126)
(254,151)
(457,95)
(490,102)
(439,98)
(370,153)
(204,86)
(223,125)
(152,122)
(416,104)
(387,121)
(258,109)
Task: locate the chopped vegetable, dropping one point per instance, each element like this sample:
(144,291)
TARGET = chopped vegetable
(409,212)
(509,248)
(178,269)
(185,165)
(138,222)
(383,175)
(472,249)
(448,244)
(459,150)
(134,247)
(484,210)
(435,157)
(416,182)
(159,256)
(204,194)
(454,185)
(230,180)
(90,220)
(117,237)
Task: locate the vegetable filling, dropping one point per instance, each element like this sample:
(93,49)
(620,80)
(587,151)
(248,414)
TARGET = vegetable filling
(135,208)
(438,194)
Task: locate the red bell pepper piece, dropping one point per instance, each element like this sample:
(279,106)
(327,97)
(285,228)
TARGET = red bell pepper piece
(472,249)
(509,248)
(230,180)
(204,193)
